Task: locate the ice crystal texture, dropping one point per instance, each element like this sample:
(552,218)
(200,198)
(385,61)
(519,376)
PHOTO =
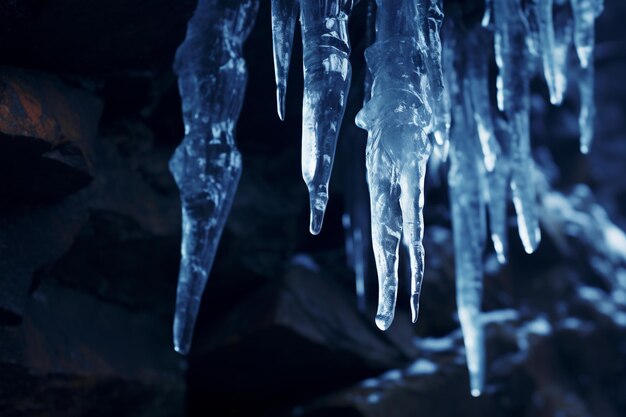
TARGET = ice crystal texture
(398,119)
(427,92)
(207,165)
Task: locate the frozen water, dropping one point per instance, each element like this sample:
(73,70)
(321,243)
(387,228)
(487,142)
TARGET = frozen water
(207,165)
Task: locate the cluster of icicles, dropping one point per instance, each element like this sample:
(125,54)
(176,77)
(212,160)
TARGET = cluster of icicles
(424,99)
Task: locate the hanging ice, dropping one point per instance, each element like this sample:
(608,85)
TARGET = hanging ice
(356,217)
(397,118)
(495,190)
(585,13)
(478,74)
(207,165)
(542,22)
(514,100)
(467,185)
(563,32)
(284,15)
(327,76)
(417,87)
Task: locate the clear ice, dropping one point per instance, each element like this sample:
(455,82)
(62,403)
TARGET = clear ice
(327,77)
(398,119)
(427,90)
(207,165)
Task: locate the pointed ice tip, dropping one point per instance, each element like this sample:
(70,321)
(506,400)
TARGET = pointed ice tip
(281,93)
(584,149)
(317,218)
(556,98)
(584,55)
(183,350)
(383,322)
(532,245)
(501,258)
(475,392)
(415,307)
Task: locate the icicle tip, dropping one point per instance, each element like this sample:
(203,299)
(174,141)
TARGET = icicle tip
(281,92)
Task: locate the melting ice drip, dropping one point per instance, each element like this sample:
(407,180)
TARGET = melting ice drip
(424,98)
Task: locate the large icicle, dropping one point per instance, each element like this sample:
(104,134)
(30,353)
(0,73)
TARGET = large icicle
(512,58)
(284,16)
(396,117)
(467,182)
(207,165)
(327,76)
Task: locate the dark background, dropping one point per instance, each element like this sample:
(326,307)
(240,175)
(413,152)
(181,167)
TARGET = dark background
(89,246)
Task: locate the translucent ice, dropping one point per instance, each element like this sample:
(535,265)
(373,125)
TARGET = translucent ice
(397,118)
(284,16)
(207,165)
(327,76)
(514,100)
(467,183)
(585,13)
(542,19)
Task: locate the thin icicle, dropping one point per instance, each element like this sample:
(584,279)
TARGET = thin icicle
(284,16)
(356,219)
(497,175)
(585,13)
(327,76)
(498,197)
(563,35)
(439,100)
(486,20)
(468,224)
(587,115)
(547,46)
(478,74)
(396,117)
(514,99)
(206,166)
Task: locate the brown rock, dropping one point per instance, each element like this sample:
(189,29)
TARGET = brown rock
(47,131)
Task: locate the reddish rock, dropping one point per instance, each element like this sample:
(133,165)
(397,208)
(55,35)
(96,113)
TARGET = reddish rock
(47,130)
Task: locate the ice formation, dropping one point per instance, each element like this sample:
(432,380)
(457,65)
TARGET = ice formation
(427,92)
(207,165)
(327,77)
(398,119)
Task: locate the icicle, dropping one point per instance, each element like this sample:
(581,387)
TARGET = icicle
(207,165)
(356,219)
(486,20)
(497,198)
(587,116)
(327,75)
(514,99)
(468,188)
(478,74)
(563,33)
(497,173)
(585,12)
(542,13)
(396,118)
(432,51)
(439,100)
(284,15)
